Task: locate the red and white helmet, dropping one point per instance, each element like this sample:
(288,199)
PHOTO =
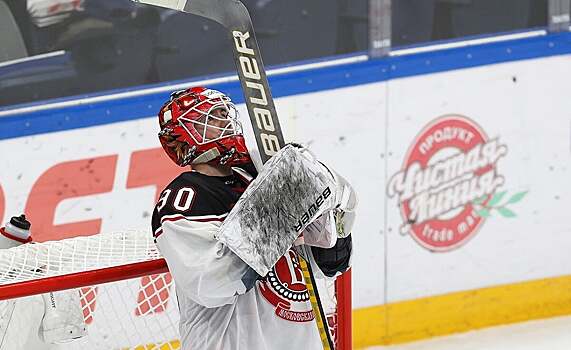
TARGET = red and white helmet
(200,125)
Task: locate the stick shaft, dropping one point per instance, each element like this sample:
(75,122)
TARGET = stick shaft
(269,137)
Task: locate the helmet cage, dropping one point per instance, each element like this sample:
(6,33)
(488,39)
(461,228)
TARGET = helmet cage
(199,125)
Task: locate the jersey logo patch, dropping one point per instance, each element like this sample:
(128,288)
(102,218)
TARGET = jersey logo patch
(284,287)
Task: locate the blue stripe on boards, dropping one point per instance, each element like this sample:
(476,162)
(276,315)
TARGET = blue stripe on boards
(318,79)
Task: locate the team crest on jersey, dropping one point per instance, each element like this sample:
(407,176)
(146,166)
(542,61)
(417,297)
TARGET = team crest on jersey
(284,287)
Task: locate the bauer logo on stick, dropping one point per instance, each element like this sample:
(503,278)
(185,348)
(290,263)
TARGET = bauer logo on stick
(257,94)
(450,166)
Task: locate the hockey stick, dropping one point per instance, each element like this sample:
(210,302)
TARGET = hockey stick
(234,16)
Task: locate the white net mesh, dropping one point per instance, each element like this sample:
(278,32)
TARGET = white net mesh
(38,260)
(138,313)
(132,313)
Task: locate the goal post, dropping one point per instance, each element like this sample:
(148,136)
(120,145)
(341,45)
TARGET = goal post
(82,279)
(127,295)
(343,312)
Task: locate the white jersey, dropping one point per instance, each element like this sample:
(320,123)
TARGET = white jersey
(223,303)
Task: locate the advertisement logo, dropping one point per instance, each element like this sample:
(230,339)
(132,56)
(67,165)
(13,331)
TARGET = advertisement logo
(448,184)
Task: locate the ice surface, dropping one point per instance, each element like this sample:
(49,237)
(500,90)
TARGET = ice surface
(549,334)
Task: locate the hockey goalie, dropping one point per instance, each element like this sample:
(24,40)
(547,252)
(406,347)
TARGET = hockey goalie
(233,238)
(40,321)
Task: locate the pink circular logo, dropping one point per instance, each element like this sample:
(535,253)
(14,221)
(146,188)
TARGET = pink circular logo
(450,164)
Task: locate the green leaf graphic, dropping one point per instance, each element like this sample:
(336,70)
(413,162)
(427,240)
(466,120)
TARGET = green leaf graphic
(480,200)
(506,213)
(496,198)
(517,197)
(485,213)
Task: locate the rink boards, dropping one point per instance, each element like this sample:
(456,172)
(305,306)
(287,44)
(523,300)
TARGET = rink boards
(461,158)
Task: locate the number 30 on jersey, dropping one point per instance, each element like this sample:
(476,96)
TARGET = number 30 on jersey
(181,201)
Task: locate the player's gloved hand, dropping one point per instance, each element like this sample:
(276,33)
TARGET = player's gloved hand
(346,201)
(319,233)
(334,260)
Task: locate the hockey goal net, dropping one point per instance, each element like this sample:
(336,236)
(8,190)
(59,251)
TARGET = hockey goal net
(126,293)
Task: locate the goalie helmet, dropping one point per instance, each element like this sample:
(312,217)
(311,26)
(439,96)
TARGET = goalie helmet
(200,125)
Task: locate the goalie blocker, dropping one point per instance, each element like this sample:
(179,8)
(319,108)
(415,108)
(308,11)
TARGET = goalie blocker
(292,191)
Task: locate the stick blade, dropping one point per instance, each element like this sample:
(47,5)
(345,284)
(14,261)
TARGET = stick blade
(169,4)
(231,14)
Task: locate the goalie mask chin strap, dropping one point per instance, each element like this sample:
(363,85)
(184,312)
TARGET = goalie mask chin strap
(207,156)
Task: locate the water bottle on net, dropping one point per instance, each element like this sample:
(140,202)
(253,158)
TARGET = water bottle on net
(16,232)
